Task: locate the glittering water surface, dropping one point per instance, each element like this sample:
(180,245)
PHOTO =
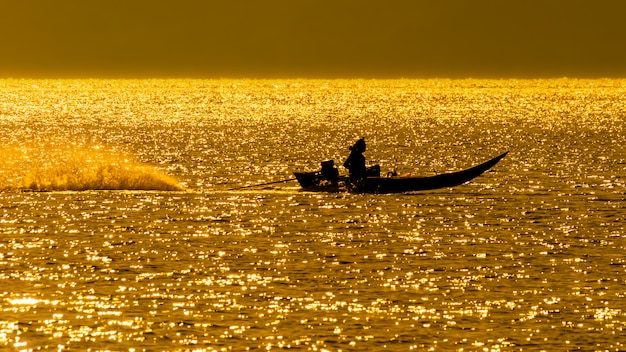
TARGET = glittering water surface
(529,256)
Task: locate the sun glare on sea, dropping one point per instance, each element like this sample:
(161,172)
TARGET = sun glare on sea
(527,256)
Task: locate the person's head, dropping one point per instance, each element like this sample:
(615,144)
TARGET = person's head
(359,146)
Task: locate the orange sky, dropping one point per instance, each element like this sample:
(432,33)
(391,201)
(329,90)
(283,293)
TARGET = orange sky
(313,38)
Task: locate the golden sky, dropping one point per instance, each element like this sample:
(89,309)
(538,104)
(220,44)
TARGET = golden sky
(313,38)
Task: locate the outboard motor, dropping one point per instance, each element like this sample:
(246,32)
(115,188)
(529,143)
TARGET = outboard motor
(330,172)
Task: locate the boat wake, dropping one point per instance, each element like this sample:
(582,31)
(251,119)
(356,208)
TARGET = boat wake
(77,168)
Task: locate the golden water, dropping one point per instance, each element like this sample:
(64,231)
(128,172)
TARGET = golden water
(140,241)
(76,167)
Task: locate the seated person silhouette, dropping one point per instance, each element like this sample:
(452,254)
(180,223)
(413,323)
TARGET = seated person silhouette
(356,164)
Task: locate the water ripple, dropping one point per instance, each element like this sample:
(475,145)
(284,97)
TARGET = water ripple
(529,256)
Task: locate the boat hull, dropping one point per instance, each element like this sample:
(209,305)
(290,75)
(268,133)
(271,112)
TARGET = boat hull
(312,181)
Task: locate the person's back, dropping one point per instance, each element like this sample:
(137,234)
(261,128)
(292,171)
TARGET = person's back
(356,162)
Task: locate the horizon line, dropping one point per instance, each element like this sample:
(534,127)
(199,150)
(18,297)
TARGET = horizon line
(278,77)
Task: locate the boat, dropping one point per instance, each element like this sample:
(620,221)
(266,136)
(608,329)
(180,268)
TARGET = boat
(328,181)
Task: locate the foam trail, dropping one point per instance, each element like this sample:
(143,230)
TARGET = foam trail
(77,168)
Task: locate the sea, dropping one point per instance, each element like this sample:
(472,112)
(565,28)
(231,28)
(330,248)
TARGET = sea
(162,215)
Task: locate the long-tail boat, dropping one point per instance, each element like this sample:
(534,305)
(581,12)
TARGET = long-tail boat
(328,180)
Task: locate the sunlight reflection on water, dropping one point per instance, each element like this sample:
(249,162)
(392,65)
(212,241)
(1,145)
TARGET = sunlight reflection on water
(528,256)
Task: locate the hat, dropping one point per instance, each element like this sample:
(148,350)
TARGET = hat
(359,145)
